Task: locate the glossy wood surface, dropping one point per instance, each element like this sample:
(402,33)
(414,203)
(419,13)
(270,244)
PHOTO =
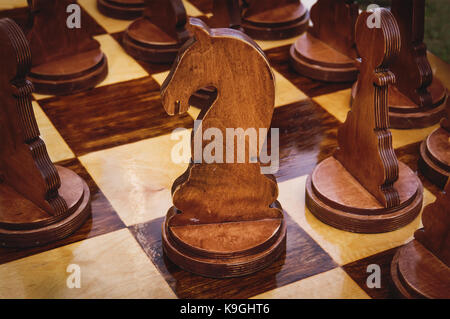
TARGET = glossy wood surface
(121,9)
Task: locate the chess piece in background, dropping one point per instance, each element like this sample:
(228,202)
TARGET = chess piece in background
(434,160)
(420,269)
(65,60)
(418,98)
(327,51)
(158,35)
(226,220)
(121,9)
(39,202)
(274,20)
(363,188)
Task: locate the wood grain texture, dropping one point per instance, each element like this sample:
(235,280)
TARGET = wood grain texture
(367,191)
(97,122)
(64,60)
(157,36)
(204,193)
(121,9)
(303,258)
(226,14)
(274,20)
(327,50)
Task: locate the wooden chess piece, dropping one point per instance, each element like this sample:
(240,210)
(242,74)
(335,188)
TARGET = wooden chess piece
(274,20)
(418,98)
(121,9)
(39,202)
(225,221)
(226,14)
(327,51)
(421,268)
(158,35)
(65,60)
(434,161)
(362,187)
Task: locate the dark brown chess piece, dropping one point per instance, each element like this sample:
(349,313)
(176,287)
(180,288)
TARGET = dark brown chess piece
(363,188)
(274,20)
(327,51)
(65,60)
(434,160)
(226,14)
(421,268)
(39,202)
(225,221)
(158,35)
(418,98)
(121,9)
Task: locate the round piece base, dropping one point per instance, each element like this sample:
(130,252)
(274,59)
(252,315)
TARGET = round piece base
(417,273)
(22,238)
(215,266)
(338,70)
(351,217)
(65,84)
(435,157)
(123,12)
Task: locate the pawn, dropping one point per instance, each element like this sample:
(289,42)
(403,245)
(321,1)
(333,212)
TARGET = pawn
(418,98)
(421,268)
(226,220)
(65,60)
(157,36)
(274,20)
(434,160)
(39,202)
(327,51)
(362,187)
(121,9)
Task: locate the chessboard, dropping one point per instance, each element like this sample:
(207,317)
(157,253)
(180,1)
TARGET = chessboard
(118,137)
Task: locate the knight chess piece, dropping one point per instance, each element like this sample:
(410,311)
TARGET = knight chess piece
(65,60)
(158,35)
(327,51)
(421,268)
(362,187)
(418,98)
(226,220)
(121,9)
(434,161)
(39,202)
(274,20)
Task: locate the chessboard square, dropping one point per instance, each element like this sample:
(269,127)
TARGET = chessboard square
(137,177)
(303,258)
(307,135)
(361,270)
(279,60)
(112,115)
(270,44)
(338,104)
(160,77)
(121,66)
(344,247)
(111,25)
(205,6)
(102,220)
(110,266)
(12,4)
(333,284)
(285,91)
(57,148)
(191,10)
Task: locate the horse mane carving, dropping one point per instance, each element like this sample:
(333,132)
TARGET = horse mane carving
(367,124)
(232,63)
